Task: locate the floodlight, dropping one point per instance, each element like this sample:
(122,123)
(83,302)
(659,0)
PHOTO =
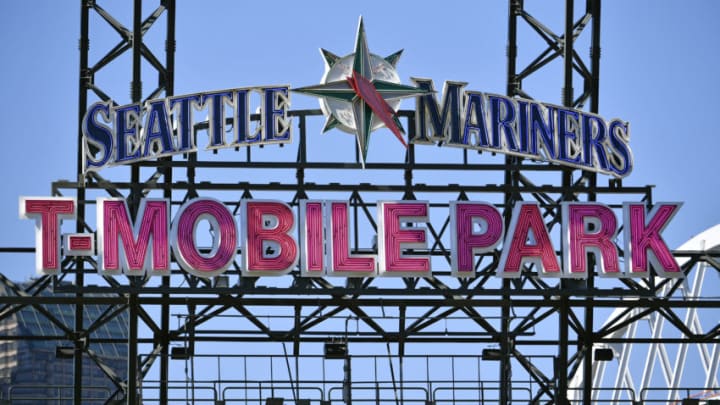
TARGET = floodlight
(604,354)
(180,353)
(64,352)
(492,355)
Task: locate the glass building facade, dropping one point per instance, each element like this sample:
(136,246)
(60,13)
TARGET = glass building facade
(35,368)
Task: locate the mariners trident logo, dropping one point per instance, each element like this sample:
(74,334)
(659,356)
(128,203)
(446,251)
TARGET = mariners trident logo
(361,92)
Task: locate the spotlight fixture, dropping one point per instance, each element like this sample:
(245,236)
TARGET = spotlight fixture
(604,354)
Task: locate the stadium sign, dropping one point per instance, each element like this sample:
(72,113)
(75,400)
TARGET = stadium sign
(264,233)
(359,93)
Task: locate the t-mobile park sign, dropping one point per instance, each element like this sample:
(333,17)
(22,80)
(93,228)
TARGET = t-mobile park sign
(263,238)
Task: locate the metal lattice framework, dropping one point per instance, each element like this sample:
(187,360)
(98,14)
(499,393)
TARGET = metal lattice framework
(637,365)
(545,331)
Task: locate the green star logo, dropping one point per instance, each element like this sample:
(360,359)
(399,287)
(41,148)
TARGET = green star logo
(361,92)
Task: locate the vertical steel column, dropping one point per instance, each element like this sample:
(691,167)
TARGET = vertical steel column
(593,6)
(512,90)
(165,342)
(562,369)
(347,378)
(132,394)
(136,96)
(512,81)
(568,54)
(136,84)
(79,276)
(167,193)
(587,339)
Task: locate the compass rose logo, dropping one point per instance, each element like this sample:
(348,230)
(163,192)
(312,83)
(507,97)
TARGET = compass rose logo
(361,92)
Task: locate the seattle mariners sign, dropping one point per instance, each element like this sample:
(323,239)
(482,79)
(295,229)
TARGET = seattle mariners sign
(360,93)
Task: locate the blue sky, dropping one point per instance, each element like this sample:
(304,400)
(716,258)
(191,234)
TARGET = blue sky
(658,71)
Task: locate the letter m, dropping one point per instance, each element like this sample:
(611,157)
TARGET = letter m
(123,247)
(434,123)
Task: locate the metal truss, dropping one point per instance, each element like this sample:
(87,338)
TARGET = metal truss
(131,40)
(693,372)
(541,333)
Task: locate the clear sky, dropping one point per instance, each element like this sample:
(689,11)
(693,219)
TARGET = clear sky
(658,71)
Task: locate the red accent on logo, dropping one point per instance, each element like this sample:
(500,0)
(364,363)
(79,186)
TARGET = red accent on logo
(367,92)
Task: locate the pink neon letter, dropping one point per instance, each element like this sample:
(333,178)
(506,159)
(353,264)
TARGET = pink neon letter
(578,239)
(519,247)
(114,223)
(644,243)
(392,238)
(311,213)
(224,242)
(269,248)
(466,243)
(80,242)
(48,213)
(342,262)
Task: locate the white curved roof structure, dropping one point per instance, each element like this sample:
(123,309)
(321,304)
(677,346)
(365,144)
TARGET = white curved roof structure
(655,370)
